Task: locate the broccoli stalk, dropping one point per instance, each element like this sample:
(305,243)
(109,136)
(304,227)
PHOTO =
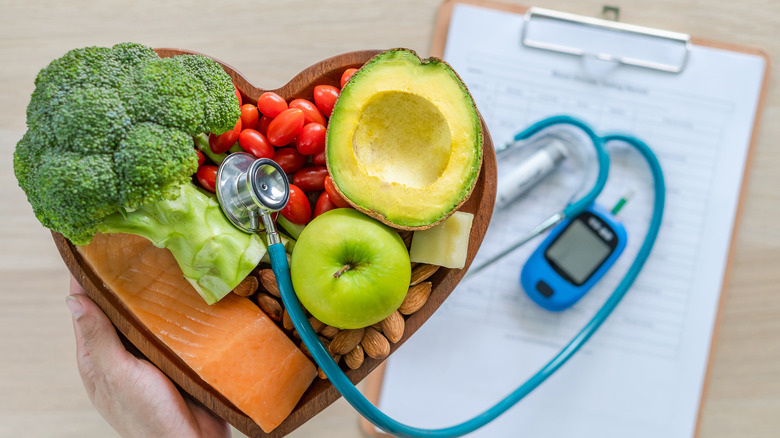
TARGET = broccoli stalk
(213,256)
(109,148)
(202,143)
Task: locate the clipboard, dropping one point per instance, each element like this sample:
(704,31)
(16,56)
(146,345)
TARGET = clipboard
(374,382)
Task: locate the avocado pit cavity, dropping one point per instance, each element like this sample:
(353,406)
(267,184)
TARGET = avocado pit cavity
(402,138)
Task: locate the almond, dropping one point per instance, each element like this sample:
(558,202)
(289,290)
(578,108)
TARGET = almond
(393,327)
(247,287)
(422,272)
(354,358)
(345,341)
(305,349)
(329,331)
(325,342)
(287,321)
(316,324)
(270,306)
(416,297)
(268,280)
(375,345)
(321,374)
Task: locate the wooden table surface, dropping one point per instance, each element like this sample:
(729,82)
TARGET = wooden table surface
(269,41)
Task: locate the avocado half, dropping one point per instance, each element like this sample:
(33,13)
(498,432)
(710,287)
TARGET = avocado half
(404,142)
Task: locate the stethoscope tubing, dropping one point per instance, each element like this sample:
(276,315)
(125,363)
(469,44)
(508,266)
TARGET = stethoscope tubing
(381,420)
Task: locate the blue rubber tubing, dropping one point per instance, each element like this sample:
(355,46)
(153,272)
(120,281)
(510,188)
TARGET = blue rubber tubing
(381,420)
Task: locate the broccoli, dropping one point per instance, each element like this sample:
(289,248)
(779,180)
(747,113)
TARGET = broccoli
(109,148)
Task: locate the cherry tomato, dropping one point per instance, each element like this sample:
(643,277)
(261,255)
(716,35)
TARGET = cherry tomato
(319,159)
(201,157)
(262,125)
(238,95)
(298,209)
(335,196)
(323,204)
(311,140)
(249,116)
(346,75)
(285,127)
(310,112)
(325,97)
(255,143)
(289,159)
(221,143)
(207,177)
(271,104)
(311,178)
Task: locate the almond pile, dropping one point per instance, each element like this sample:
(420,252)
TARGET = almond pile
(349,346)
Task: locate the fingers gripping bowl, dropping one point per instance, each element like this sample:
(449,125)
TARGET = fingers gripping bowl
(321,393)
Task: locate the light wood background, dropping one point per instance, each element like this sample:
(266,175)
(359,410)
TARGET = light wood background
(269,41)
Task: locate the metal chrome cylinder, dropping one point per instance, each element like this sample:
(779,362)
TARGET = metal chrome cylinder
(514,179)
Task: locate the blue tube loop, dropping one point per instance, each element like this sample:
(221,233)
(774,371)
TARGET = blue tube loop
(577,207)
(384,422)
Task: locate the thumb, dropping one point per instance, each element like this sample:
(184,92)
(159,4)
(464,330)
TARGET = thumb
(99,349)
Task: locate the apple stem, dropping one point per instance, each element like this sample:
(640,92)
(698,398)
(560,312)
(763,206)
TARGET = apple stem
(343,269)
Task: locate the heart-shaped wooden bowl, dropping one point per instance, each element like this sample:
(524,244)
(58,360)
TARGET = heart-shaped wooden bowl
(321,393)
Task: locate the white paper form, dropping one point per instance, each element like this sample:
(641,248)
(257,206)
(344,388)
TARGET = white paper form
(641,375)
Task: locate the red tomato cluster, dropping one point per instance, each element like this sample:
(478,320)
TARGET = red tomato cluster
(292,134)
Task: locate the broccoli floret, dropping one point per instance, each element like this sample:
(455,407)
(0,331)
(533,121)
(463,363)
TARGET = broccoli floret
(76,192)
(152,162)
(131,55)
(88,67)
(27,158)
(90,120)
(219,101)
(164,91)
(96,66)
(109,148)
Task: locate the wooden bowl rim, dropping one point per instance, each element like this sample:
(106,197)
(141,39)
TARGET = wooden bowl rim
(321,393)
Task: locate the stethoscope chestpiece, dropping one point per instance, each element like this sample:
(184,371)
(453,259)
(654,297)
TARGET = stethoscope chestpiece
(248,189)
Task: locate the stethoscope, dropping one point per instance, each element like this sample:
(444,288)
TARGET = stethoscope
(250,190)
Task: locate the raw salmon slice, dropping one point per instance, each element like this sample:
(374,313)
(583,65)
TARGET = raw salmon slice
(232,345)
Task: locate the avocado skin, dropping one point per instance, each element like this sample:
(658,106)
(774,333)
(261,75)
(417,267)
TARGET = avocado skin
(401,180)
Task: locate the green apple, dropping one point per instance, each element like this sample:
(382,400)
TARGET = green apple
(349,270)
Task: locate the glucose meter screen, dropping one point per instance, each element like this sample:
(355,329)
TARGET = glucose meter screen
(578,252)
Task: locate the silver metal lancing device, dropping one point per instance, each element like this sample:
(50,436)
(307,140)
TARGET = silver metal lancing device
(515,178)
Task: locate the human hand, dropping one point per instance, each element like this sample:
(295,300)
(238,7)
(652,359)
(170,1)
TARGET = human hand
(134,397)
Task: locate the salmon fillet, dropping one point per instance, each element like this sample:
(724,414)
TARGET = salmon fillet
(232,345)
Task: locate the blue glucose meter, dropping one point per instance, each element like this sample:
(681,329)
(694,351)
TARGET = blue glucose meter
(573,258)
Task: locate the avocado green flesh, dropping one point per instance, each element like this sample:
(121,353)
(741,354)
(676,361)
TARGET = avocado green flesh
(404,141)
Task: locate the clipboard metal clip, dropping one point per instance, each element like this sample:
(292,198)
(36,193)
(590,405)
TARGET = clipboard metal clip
(606,40)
